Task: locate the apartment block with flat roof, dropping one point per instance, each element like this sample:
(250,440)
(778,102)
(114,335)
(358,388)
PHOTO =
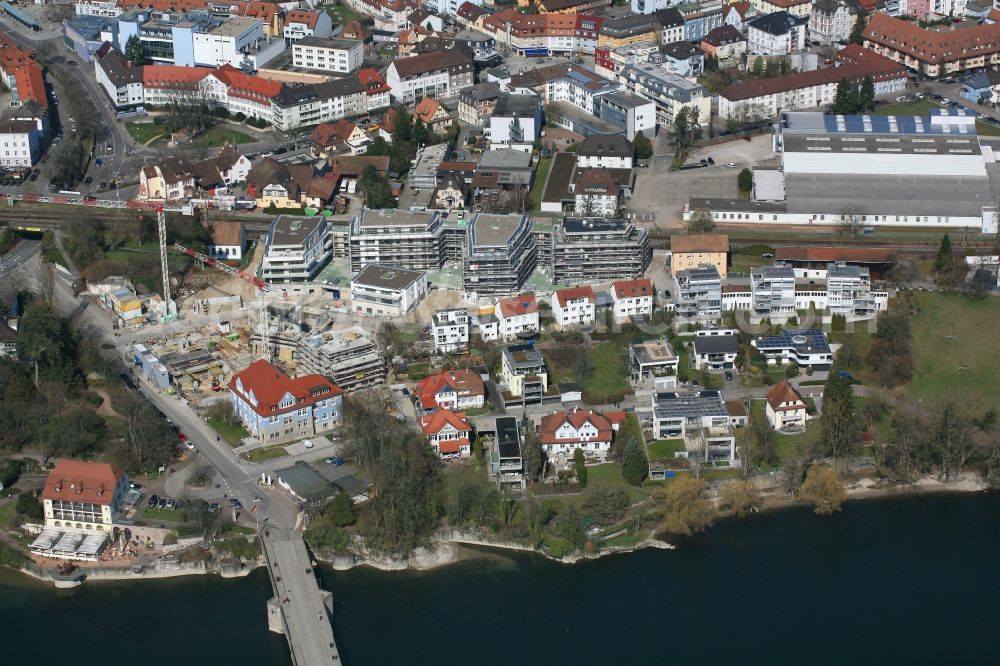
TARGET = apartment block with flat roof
(297,248)
(599,250)
(698,292)
(413,240)
(347,356)
(500,254)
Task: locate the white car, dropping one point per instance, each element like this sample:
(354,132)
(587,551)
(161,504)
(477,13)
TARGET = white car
(731,165)
(307,443)
(901,98)
(945,101)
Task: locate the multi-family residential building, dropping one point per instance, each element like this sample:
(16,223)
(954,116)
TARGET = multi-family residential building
(773,290)
(761,99)
(329,55)
(84,495)
(516,316)
(715,349)
(628,113)
(574,306)
(776,34)
(303,23)
(506,462)
(849,291)
(830,21)
(632,299)
(500,255)
(701,419)
(793,7)
(376,89)
(607,151)
(522,372)
(347,356)
(20,142)
(452,389)
(176,178)
(533,35)
(934,52)
(448,433)
(563,432)
(476,103)
(439,74)
(699,20)
(784,407)
(698,292)
(310,104)
(575,85)
(450,330)
(387,291)
(516,122)
(598,249)
(596,193)
(684,58)
(669,91)
(120,80)
(694,250)
(806,347)
(274,407)
(670,18)
(726,44)
(401,238)
(296,249)
(628,30)
(341,137)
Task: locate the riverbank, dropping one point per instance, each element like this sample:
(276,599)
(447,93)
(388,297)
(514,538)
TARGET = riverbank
(459,547)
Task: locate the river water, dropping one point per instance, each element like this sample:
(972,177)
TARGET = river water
(911,581)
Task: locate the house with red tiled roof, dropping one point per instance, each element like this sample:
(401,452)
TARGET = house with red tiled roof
(301,23)
(84,495)
(276,408)
(448,433)
(934,52)
(432,113)
(339,138)
(375,87)
(562,433)
(632,298)
(516,315)
(574,306)
(451,389)
(785,407)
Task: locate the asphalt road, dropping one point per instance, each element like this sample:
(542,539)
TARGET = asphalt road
(20,253)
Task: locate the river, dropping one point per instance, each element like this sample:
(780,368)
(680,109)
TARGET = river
(904,581)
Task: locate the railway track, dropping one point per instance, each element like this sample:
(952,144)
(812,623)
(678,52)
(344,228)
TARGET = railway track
(904,247)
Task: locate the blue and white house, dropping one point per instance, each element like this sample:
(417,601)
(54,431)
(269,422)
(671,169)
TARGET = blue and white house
(276,408)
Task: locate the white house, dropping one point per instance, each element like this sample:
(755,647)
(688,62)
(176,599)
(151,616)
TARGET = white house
(120,80)
(297,248)
(450,330)
(607,151)
(632,298)
(438,74)
(575,306)
(562,433)
(516,122)
(448,433)
(303,23)
(785,407)
(776,34)
(329,55)
(453,389)
(19,142)
(516,315)
(387,291)
(807,347)
(715,349)
(229,240)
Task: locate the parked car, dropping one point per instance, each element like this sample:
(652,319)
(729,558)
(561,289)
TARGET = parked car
(936,97)
(945,100)
(88,180)
(731,165)
(729,375)
(213,507)
(98,162)
(153,501)
(336,461)
(162,503)
(307,443)
(171,503)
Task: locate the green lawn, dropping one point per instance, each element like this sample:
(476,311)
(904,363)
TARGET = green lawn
(342,14)
(8,512)
(664,449)
(170,515)
(215,137)
(143,132)
(918,108)
(955,353)
(233,434)
(607,381)
(541,175)
(605,473)
(266,453)
(477,411)
(986,129)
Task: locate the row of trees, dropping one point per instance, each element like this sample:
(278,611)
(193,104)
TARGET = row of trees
(852,98)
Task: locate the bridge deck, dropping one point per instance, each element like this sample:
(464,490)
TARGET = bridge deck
(306,620)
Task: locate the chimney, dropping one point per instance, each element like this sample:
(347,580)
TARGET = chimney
(59,485)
